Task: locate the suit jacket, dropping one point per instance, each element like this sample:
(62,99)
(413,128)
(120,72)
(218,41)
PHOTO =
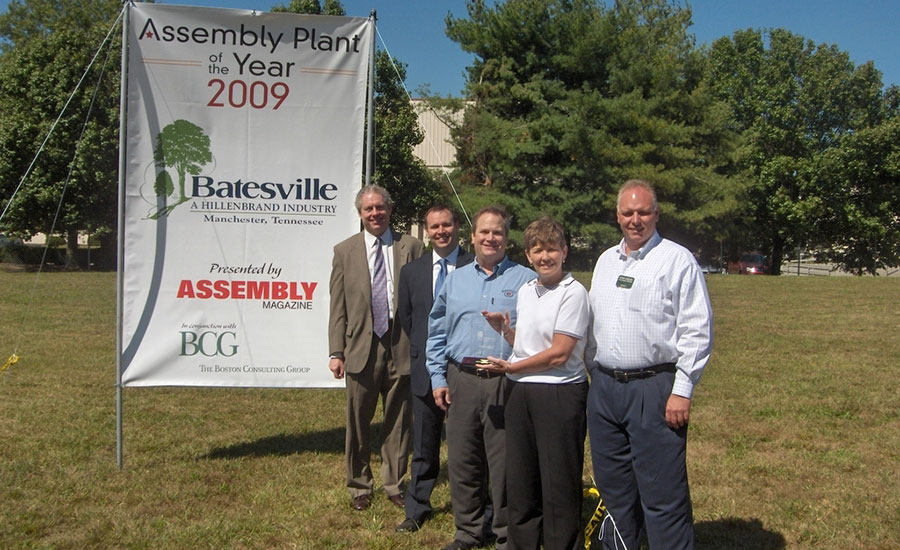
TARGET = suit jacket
(350,313)
(413,306)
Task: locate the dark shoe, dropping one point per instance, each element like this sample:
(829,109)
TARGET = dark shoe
(409,525)
(457,544)
(362,502)
(397,500)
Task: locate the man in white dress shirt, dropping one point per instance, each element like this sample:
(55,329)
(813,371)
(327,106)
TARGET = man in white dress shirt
(420,281)
(368,348)
(653,335)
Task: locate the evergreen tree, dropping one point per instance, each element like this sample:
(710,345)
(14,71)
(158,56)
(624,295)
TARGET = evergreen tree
(572,98)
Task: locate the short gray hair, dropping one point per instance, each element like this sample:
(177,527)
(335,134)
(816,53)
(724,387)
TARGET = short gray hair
(373,190)
(643,184)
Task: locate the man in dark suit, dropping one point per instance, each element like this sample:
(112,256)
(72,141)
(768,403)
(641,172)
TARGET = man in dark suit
(368,347)
(419,282)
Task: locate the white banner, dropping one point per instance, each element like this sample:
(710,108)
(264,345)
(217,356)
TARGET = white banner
(244,154)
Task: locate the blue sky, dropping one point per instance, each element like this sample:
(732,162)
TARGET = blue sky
(413,30)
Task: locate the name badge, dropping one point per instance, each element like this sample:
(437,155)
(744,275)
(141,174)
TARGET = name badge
(624,282)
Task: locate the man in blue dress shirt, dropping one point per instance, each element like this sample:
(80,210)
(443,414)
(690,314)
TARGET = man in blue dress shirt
(458,335)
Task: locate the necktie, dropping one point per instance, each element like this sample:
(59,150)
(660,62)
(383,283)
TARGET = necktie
(442,274)
(379,293)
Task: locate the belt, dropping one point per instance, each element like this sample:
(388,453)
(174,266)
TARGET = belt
(627,375)
(476,371)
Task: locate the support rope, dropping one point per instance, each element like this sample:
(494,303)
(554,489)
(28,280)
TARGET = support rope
(444,170)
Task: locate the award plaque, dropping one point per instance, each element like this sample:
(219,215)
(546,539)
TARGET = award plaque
(488,342)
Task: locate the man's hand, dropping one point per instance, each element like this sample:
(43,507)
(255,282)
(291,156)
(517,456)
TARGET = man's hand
(678,411)
(442,398)
(336,366)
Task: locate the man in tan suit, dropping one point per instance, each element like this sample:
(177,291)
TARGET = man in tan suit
(368,347)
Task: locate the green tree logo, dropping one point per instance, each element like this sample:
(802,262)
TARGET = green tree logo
(184,146)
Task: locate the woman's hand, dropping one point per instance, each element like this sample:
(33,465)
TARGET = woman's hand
(497,365)
(501,323)
(498,321)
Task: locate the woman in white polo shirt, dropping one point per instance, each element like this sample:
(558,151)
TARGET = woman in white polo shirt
(545,406)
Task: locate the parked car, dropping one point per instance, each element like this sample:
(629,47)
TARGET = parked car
(710,268)
(751,263)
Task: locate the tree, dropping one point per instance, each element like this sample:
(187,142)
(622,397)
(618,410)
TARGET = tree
(860,190)
(311,7)
(397,132)
(28,20)
(572,98)
(46,46)
(794,104)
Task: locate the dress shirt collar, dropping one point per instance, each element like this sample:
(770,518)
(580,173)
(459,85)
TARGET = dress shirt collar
(642,252)
(387,238)
(504,264)
(451,258)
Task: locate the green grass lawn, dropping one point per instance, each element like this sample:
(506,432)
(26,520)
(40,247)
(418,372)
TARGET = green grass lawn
(794,440)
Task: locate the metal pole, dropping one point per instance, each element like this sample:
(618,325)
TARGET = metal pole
(120,239)
(370,130)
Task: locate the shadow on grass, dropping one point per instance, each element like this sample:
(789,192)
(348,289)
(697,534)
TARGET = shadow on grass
(731,533)
(329,441)
(737,534)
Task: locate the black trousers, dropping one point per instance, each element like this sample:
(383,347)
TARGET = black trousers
(545,430)
(428,420)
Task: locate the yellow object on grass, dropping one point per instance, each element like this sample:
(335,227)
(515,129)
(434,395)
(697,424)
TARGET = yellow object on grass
(13,359)
(596,519)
